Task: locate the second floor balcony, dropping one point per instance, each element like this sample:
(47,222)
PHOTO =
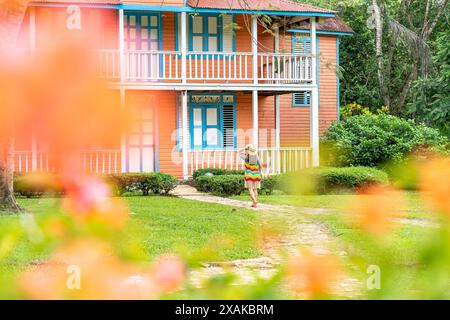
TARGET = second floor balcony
(165,67)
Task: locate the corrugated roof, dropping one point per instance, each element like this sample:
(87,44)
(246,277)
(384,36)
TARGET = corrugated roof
(93,2)
(257,5)
(335,24)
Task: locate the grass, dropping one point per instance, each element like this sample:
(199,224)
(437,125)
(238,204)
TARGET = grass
(414,205)
(159,225)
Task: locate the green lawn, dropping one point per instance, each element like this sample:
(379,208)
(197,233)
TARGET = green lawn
(160,225)
(414,205)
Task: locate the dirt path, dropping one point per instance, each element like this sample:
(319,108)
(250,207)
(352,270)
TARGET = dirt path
(301,231)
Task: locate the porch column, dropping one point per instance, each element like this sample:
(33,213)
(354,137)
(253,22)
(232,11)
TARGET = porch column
(277,109)
(123,142)
(185,133)
(121,46)
(255,117)
(314,121)
(32,44)
(183,46)
(255,48)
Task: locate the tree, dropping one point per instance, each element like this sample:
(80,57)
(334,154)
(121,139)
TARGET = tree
(409,26)
(11,16)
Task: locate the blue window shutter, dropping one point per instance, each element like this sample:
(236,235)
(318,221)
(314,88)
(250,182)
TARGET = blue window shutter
(301,44)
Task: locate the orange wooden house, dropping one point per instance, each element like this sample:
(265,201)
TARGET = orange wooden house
(209,77)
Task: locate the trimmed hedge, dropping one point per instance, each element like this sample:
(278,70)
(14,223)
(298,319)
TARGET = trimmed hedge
(155,183)
(37,185)
(327,180)
(224,182)
(310,181)
(216,172)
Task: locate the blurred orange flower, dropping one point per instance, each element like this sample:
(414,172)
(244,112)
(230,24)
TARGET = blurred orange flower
(435,184)
(89,199)
(168,273)
(375,208)
(311,274)
(102,275)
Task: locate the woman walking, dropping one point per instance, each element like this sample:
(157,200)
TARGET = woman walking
(252,175)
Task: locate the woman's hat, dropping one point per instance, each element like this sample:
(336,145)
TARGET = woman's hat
(250,149)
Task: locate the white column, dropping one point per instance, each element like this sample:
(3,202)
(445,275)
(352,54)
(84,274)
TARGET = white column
(185,133)
(183,46)
(277,109)
(121,46)
(32,35)
(32,44)
(255,117)
(314,121)
(255,48)
(123,143)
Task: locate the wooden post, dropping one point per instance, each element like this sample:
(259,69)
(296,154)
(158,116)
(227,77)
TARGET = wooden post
(255,48)
(277,153)
(314,115)
(122,46)
(255,117)
(185,132)
(123,143)
(183,47)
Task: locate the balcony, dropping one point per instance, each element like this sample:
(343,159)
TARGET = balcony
(165,67)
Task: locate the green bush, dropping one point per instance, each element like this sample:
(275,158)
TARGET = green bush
(326,180)
(221,185)
(215,172)
(37,185)
(374,140)
(156,183)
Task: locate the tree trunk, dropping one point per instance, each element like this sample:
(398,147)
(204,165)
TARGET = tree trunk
(378,19)
(8,203)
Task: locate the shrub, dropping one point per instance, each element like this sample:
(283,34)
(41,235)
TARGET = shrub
(326,180)
(37,185)
(221,185)
(374,140)
(216,172)
(157,183)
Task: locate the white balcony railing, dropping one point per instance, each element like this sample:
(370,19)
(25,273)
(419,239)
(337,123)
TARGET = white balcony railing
(165,66)
(274,160)
(92,161)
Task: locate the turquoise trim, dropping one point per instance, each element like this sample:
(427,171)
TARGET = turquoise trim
(231,11)
(219,126)
(219,33)
(335,33)
(305,41)
(338,63)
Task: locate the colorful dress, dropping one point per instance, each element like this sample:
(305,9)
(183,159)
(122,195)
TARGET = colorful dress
(252,175)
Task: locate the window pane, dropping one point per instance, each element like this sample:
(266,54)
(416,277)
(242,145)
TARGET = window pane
(134,139)
(144,21)
(144,33)
(134,160)
(197,117)
(212,25)
(132,20)
(212,137)
(197,24)
(154,21)
(197,43)
(198,137)
(147,139)
(211,117)
(147,159)
(212,44)
(154,34)
(132,33)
